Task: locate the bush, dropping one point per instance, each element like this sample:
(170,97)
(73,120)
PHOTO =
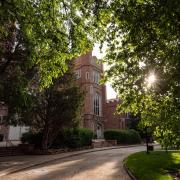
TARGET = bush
(85,135)
(123,136)
(68,138)
(32,138)
(73,138)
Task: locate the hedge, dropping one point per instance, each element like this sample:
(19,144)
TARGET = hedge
(32,138)
(73,138)
(68,138)
(129,136)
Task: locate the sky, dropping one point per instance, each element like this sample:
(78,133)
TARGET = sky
(96,52)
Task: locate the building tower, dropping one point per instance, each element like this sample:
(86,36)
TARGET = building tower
(88,72)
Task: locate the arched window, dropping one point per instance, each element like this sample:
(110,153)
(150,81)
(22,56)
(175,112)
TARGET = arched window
(91,89)
(78,73)
(97,104)
(87,75)
(96,77)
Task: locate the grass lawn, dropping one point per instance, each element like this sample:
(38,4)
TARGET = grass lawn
(157,165)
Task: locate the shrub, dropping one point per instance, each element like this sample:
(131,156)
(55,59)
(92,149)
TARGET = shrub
(32,138)
(73,138)
(85,135)
(68,138)
(129,136)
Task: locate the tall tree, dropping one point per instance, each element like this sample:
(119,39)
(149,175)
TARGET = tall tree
(55,108)
(37,40)
(142,39)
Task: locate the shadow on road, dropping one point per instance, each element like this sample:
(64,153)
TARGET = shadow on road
(101,164)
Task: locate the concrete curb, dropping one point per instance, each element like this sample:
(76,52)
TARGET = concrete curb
(66,155)
(127,170)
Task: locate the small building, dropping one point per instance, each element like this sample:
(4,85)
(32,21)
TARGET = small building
(3,129)
(9,135)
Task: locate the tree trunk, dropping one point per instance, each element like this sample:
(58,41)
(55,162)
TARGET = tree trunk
(45,138)
(166,149)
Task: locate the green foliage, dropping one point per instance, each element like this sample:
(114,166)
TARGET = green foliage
(37,41)
(167,127)
(73,138)
(56,108)
(67,138)
(123,136)
(86,136)
(51,33)
(142,38)
(32,138)
(156,165)
(167,138)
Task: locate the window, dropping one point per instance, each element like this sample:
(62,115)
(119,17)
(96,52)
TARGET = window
(91,89)
(78,73)
(123,126)
(127,115)
(96,77)
(87,75)
(1,137)
(97,104)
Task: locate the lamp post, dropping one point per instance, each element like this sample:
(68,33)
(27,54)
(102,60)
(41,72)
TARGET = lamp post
(150,81)
(147,140)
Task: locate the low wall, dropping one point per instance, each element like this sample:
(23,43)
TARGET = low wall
(103,143)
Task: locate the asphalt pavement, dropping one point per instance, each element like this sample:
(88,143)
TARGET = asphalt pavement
(99,163)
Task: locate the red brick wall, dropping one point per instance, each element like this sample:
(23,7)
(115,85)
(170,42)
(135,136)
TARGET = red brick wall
(113,120)
(88,63)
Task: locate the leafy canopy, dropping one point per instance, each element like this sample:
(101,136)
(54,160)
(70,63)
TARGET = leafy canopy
(55,108)
(37,41)
(142,38)
(48,32)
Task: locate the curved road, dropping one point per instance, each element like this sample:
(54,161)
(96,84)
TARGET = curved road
(101,165)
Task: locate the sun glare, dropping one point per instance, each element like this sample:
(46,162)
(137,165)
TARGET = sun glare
(151,79)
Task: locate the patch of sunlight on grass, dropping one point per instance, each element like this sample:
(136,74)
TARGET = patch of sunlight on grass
(176,157)
(156,166)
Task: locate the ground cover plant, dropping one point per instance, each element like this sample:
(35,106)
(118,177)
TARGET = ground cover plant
(157,165)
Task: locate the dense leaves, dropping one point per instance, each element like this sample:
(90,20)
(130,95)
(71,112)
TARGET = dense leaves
(142,39)
(50,32)
(66,138)
(37,41)
(55,108)
(73,138)
(123,136)
(38,38)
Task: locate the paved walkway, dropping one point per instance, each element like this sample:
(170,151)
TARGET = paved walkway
(71,165)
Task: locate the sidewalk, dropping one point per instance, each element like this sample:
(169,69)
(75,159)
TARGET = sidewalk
(12,164)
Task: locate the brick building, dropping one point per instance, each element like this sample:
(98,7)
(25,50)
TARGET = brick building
(113,120)
(98,112)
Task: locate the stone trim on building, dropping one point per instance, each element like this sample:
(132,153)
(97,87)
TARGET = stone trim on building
(106,118)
